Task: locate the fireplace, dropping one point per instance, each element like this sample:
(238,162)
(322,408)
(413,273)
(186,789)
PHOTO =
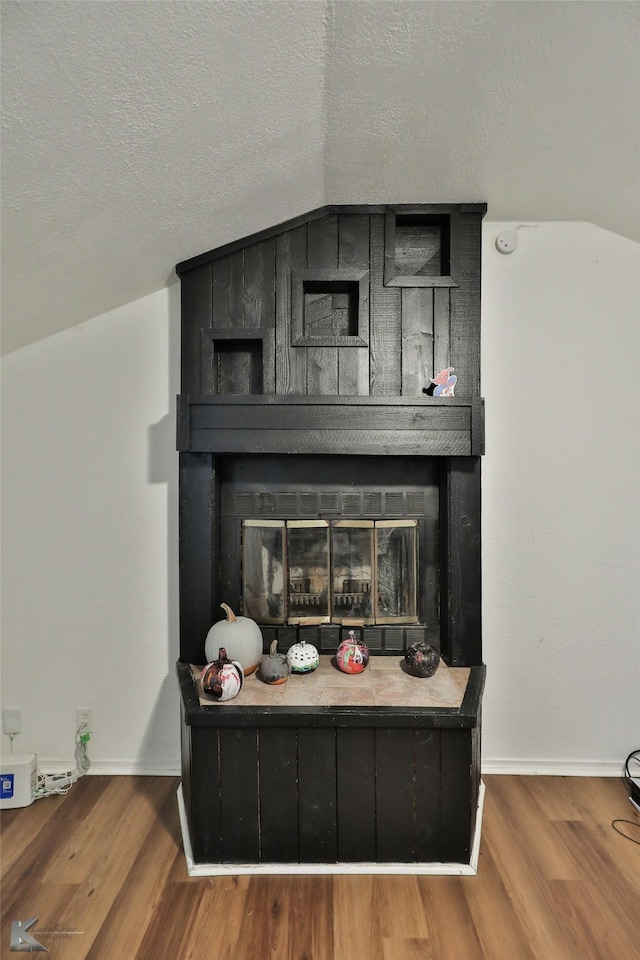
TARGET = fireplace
(345,548)
(325,486)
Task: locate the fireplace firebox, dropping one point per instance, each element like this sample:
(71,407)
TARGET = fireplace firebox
(325,488)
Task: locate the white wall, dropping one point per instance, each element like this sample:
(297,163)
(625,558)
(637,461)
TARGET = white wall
(89,519)
(561,497)
(89,539)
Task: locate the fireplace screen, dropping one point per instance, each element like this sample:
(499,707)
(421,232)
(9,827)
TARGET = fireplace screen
(320,571)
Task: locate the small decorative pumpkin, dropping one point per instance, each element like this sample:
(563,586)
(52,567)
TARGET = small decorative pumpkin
(222,679)
(352,655)
(303,657)
(274,668)
(422,659)
(240,636)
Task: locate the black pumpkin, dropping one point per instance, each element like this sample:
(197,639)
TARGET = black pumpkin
(422,659)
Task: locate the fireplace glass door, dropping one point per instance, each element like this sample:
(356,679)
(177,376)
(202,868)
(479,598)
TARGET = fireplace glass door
(352,570)
(263,566)
(396,569)
(308,571)
(340,571)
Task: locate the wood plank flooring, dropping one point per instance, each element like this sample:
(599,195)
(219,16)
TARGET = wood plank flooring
(103,870)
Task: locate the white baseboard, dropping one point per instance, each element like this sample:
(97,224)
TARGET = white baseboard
(554,768)
(525,768)
(254,869)
(115,768)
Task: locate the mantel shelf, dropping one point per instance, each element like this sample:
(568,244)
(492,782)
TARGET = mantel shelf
(272,424)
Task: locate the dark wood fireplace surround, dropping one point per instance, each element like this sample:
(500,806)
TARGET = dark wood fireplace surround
(308,352)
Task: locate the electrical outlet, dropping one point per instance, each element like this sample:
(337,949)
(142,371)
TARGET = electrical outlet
(84,717)
(12,720)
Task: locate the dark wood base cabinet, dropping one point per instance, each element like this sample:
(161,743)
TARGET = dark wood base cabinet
(319,785)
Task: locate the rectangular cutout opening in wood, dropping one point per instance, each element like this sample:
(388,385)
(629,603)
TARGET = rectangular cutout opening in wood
(231,361)
(237,366)
(420,248)
(330,308)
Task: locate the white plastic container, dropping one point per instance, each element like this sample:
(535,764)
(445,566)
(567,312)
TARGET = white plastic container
(17,780)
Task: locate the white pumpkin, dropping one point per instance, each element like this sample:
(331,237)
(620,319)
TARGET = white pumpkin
(240,636)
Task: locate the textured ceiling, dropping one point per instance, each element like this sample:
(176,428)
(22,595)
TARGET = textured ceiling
(137,135)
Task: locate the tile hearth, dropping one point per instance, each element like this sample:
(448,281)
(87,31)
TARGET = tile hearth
(384,683)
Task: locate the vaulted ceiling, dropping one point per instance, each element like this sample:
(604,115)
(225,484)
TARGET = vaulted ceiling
(136,135)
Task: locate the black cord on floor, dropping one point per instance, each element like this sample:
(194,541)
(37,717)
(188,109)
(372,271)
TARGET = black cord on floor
(622,833)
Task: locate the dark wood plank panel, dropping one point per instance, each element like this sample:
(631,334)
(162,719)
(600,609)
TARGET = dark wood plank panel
(417,340)
(278,776)
(185,767)
(435,443)
(196,552)
(259,303)
(206,799)
(395,800)
(437,428)
(465,306)
(442,337)
(290,362)
(227,586)
(356,760)
(477,427)
(208,380)
(385,332)
(353,252)
(428,795)
(317,795)
(456,802)
(196,300)
(227,280)
(461,618)
(259,285)
(239,796)
(322,254)
(305,415)
(322,369)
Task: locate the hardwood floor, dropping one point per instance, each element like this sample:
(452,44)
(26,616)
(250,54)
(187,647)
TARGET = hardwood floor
(102,869)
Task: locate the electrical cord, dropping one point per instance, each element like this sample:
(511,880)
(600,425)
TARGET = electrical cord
(57,784)
(82,758)
(631,823)
(634,757)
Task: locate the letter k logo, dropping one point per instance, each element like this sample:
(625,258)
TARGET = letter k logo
(23,942)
